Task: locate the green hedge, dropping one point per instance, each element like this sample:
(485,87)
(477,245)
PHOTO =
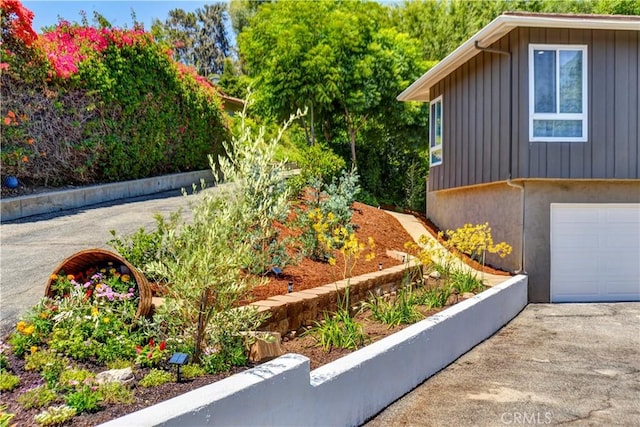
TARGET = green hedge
(126,111)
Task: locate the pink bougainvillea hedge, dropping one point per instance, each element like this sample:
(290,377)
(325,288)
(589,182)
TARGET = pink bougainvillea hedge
(84,104)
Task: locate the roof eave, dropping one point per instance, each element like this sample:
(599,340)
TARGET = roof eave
(496,29)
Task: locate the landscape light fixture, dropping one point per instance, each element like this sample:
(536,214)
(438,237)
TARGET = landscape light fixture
(290,287)
(179,359)
(380,266)
(277,271)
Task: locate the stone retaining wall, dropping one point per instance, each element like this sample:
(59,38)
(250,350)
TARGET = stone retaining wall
(291,311)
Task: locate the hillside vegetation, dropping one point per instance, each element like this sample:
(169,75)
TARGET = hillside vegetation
(85,105)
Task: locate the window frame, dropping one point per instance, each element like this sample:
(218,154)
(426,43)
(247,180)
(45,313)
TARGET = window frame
(557,115)
(432,134)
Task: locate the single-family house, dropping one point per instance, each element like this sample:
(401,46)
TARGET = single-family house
(535,128)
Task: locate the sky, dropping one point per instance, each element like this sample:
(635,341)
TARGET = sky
(117,12)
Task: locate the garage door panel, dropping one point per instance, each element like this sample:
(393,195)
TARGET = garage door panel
(595,252)
(623,216)
(571,216)
(571,286)
(625,236)
(568,264)
(621,288)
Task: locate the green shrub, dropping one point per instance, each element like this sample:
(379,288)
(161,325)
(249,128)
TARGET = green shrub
(339,330)
(55,415)
(465,281)
(232,232)
(192,371)
(400,310)
(37,360)
(52,370)
(71,378)
(37,397)
(327,210)
(84,399)
(8,381)
(143,247)
(317,164)
(156,377)
(434,297)
(5,417)
(115,393)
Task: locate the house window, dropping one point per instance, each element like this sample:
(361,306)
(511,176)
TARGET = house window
(435,132)
(557,93)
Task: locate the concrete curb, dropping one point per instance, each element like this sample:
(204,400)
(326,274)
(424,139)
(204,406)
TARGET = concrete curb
(55,201)
(350,390)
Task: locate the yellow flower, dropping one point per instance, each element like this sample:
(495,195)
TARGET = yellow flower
(103,270)
(112,271)
(70,276)
(29,330)
(54,276)
(33,349)
(332,261)
(125,278)
(106,320)
(20,326)
(94,311)
(44,315)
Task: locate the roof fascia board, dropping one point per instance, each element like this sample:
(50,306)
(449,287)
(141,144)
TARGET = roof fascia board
(499,27)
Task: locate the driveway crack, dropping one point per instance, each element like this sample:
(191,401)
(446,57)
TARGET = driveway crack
(606,405)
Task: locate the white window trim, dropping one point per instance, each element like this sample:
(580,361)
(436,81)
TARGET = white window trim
(559,116)
(432,132)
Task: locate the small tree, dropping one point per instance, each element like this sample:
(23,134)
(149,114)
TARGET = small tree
(205,261)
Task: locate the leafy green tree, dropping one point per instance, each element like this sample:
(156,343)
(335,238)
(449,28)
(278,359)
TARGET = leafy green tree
(345,63)
(198,38)
(442,25)
(241,11)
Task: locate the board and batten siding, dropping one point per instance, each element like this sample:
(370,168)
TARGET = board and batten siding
(477,116)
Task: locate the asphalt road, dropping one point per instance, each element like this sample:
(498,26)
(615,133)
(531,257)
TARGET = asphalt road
(31,248)
(554,364)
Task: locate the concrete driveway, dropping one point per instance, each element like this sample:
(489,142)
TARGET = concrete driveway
(554,364)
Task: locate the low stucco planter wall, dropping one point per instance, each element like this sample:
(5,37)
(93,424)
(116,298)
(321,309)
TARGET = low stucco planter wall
(346,392)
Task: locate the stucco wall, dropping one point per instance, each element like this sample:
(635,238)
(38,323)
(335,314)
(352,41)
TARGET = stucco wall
(500,205)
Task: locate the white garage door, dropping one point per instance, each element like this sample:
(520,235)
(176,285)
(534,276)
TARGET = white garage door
(595,252)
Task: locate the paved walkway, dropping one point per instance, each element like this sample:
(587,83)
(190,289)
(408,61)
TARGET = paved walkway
(554,364)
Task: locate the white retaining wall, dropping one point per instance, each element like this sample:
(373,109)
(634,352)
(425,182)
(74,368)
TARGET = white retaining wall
(348,391)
